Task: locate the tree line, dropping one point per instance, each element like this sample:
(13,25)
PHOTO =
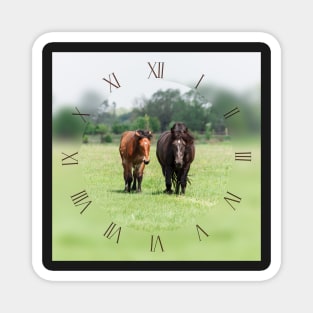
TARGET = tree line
(201,110)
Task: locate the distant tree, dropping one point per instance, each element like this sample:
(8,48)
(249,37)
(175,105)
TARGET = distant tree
(67,125)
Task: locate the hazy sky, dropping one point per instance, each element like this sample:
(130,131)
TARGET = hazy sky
(76,73)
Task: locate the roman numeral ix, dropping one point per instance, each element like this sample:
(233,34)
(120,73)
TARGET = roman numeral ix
(112,82)
(79,197)
(157,69)
(71,161)
(110,232)
(233,199)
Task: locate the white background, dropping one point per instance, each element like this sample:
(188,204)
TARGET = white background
(22,22)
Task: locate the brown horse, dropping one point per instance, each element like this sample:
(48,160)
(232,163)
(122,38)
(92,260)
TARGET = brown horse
(134,151)
(175,152)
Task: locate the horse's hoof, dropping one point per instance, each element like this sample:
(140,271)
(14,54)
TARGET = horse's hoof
(169,192)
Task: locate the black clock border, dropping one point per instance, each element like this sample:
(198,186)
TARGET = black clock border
(53,265)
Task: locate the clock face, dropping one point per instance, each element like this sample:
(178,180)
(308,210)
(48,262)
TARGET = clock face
(156,156)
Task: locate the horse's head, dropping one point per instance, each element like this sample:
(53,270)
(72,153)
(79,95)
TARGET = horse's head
(180,131)
(179,146)
(144,144)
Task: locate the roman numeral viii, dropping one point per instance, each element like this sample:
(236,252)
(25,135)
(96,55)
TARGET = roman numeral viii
(155,242)
(110,232)
(233,198)
(157,69)
(78,199)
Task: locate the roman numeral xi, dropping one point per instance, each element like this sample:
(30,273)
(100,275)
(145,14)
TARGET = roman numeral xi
(112,81)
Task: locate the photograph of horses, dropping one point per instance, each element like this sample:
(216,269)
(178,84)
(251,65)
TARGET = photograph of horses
(155,155)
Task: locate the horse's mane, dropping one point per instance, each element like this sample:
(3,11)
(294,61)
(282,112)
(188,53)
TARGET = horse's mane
(143,133)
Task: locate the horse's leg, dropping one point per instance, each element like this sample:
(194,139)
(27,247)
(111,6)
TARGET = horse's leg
(178,181)
(183,180)
(127,176)
(135,179)
(168,179)
(138,173)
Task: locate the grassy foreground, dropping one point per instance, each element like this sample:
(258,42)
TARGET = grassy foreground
(233,234)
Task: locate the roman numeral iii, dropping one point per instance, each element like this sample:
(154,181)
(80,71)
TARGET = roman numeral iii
(157,69)
(243,156)
(78,199)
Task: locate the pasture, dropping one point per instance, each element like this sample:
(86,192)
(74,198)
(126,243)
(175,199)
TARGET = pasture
(233,234)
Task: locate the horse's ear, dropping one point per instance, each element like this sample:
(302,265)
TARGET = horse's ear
(137,133)
(149,134)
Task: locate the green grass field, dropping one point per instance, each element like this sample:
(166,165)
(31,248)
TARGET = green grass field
(233,234)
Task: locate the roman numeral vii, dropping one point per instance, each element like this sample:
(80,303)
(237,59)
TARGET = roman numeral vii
(111,231)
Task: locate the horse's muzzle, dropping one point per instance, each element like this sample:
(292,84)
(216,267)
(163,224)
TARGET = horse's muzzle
(146,161)
(178,165)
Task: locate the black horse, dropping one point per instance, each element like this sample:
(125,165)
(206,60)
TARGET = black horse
(175,152)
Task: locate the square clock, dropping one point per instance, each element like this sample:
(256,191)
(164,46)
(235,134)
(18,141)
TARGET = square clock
(156,156)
